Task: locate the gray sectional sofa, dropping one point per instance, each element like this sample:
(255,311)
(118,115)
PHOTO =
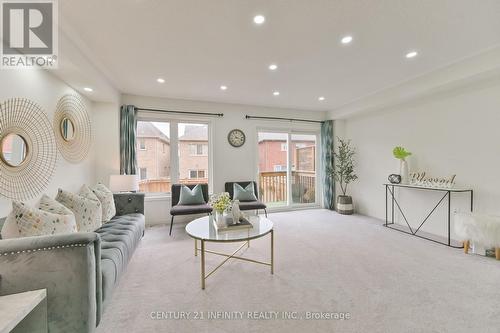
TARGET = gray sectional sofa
(79,271)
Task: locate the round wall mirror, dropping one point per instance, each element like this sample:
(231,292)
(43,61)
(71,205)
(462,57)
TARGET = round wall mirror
(67,129)
(14,149)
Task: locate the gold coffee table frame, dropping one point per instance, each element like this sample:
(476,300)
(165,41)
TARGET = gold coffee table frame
(239,238)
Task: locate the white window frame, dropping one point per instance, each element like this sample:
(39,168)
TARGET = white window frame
(309,130)
(174,122)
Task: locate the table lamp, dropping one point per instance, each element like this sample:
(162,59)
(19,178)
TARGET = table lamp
(124,183)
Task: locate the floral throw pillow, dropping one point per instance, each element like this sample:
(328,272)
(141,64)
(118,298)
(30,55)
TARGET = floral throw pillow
(107,200)
(85,206)
(33,221)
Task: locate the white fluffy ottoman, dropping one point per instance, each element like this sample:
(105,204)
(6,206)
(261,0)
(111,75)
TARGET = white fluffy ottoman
(478,228)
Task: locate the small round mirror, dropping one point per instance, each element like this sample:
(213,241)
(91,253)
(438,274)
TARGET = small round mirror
(14,149)
(67,129)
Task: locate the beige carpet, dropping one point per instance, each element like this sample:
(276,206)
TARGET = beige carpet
(385,280)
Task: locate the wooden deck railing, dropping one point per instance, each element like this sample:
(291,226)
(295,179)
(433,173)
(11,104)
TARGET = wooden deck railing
(272,186)
(164,184)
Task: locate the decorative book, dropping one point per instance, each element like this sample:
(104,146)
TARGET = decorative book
(228,224)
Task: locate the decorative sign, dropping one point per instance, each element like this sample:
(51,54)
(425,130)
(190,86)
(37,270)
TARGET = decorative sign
(421,179)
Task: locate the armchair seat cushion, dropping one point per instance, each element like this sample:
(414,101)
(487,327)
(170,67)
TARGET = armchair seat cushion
(190,209)
(251,205)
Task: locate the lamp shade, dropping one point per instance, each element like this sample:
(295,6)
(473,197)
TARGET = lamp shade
(123,183)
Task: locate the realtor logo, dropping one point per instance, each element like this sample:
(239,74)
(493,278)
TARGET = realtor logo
(29,35)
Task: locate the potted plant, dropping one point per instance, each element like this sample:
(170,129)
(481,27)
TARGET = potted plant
(401,154)
(343,173)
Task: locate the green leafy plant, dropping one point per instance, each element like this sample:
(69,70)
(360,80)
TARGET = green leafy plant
(400,153)
(343,170)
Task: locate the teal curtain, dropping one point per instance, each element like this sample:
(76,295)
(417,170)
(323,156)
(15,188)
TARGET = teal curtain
(128,133)
(327,164)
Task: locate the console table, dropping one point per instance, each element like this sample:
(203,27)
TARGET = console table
(24,312)
(389,190)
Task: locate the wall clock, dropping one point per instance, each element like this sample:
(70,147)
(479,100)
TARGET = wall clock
(236,138)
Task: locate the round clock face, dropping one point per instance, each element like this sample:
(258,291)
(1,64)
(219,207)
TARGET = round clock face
(236,138)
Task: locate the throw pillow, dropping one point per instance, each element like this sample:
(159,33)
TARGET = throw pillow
(33,221)
(85,206)
(107,200)
(10,229)
(191,197)
(244,194)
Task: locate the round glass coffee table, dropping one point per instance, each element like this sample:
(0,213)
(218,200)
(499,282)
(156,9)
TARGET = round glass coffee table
(203,230)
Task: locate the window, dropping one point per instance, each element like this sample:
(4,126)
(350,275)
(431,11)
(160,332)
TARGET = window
(193,153)
(280,168)
(287,168)
(196,174)
(159,158)
(143,173)
(154,163)
(198,149)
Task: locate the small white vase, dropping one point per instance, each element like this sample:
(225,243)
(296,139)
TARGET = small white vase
(403,171)
(219,218)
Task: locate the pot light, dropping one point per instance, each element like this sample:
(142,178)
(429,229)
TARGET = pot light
(411,54)
(259,19)
(346,39)
(160,80)
(276,93)
(321,98)
(223,87)
(273,67)
(88,89)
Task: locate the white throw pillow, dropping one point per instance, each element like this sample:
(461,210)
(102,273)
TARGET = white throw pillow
(33,221)
(10,229)
(107,200)
(85,206)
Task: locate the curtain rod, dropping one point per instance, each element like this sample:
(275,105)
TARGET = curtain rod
(288,119)
(182,112)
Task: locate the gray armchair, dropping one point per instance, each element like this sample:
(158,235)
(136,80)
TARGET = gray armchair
(247,205)
(177,209)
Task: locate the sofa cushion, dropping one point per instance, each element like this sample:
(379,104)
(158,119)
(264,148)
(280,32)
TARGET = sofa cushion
(190,209)
(251,205)
(106,198)
(33,221)
(244,194)
(191,196)
(88,211)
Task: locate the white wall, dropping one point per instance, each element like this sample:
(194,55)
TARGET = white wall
(230,164)
(45,89)
(455,132)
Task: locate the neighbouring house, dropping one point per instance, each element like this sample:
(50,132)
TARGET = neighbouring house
(153,152)
(193,152)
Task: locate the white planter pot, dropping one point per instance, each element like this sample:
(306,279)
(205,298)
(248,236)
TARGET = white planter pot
(403,171)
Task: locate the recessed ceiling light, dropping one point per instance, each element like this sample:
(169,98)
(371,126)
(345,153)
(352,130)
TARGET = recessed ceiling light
(273,67)
(411,54)
(223,87)
(276,93)
(321,98)
(160,80)
(259,19)
(88,89)
(346,39)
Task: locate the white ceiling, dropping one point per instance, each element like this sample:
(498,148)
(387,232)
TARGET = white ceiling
(198,45)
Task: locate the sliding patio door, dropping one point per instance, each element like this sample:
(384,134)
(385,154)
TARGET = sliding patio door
(287,168)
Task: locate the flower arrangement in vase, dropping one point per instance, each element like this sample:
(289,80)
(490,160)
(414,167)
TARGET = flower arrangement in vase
(221,203)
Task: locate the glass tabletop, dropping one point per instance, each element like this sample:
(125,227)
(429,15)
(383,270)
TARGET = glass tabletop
(204,229)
